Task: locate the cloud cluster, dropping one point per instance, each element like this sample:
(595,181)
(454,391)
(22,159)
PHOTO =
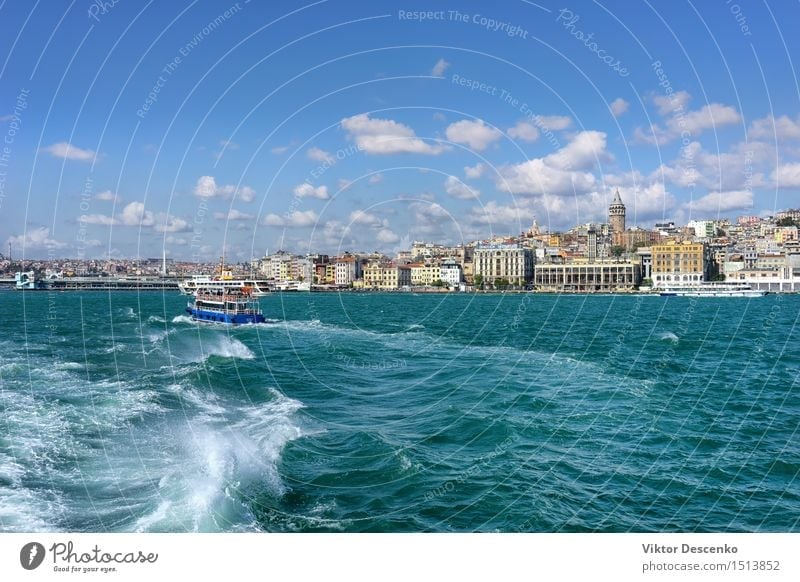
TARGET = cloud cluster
(474,134)
(67,151)
(385,136)
(560,173)
(207,187)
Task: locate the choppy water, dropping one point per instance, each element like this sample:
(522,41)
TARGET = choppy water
(400,412)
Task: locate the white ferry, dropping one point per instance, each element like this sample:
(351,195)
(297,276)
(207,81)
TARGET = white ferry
(223,281)
(260,287)
(713,290)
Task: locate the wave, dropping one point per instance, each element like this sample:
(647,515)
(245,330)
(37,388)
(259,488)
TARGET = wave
(183,319)
(222,463)
(127,312)
(668,336)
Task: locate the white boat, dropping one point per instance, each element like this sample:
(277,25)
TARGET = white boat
(712,290)
(292,286)
(260,287)
(224,281)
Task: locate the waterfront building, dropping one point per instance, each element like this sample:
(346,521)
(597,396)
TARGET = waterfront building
(422,274)
(587,277)
(450,273)
(616,215)
(680,263)
(591,245)
(510,262)
(645,257)
(346,270)
(386,277)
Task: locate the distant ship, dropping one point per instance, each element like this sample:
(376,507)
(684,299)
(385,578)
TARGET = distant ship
(235,306)
(713,290)
(223,281)
(260,287)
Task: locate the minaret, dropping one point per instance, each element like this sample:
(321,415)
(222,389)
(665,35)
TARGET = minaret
(616,215)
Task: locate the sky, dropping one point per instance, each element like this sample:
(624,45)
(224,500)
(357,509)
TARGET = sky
(201,128)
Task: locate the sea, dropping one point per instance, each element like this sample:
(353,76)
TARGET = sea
(400,412)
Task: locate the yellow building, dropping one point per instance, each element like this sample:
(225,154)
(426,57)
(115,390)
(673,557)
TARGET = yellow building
(425,274)
(386,277)
(683,263)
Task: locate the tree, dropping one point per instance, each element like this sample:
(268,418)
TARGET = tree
(786,221)
(617,250)
(478,281)
(647,282)
(718,277)
(501,283)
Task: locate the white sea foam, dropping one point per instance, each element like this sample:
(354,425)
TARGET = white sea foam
(668,336)
(219,461)
(183,319)
(127,312)
(70,366)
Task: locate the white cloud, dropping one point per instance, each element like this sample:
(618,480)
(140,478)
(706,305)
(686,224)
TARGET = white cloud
(787,175)
(458,189)
(172,240)
(68,151)
(476,134)
(430,217)
(688,124)
(134,214)
(553,122)
(439,116)
(35,238)
(107,195)
(344,184)
(782,128)
(474,172)
(525,131)
(581,153)
(556,173)
(207,187)
(376,178)
(717,202)
(493,213)
(364,218)
(536,177)
(439,68)
(740,168)
(278,150)
(296,219)
(671,104)
(167,223)
(233,214)
(226,145)
(387,236)
(306,190)
(619,106)
(385,136)
(101,219)
(319,155)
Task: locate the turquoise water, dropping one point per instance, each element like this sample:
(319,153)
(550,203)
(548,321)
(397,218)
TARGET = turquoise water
(398,412)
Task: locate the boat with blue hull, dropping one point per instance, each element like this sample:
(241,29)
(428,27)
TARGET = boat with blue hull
(227,306)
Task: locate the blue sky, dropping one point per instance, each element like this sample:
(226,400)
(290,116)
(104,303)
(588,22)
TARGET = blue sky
(327,126)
